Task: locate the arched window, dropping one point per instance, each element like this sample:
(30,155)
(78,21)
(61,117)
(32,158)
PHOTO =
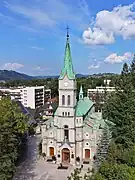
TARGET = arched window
(63,100)
(68,113)
(62,113)
(68,100)
(65,113)
(66,132)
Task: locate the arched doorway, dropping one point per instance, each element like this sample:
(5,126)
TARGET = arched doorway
(65,155)
(87,153)
(51,150)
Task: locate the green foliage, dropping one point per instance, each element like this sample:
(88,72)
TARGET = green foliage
(119,109)
(132,69)
(117,172)
(31,129)
(52,83)
(12,127)
(76,175)
(129,156)
(133,65)
(102,147)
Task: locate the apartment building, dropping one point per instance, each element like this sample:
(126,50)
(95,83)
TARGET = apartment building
(32,97)
(99,92)
(98,96)
(47,94)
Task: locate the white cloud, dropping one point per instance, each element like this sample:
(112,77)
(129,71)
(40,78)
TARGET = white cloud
(35,15)
(12,66)
(109,24)
(94,66)
(37,48)
(39,68)
(47,15)
(97,36)
(114,58)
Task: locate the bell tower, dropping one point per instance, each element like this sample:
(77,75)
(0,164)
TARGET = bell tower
(65,115)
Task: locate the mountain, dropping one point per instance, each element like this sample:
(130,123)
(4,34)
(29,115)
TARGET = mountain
(44,77)
(6,75)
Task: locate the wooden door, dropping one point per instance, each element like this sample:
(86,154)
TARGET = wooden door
(87,153)
(65,155)
(51,151)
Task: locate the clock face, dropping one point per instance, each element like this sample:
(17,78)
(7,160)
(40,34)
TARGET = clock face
(66,84)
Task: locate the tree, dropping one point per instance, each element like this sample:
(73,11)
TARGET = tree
(119,109)
(13,125)
(102,147)
(116,172)
(132,69)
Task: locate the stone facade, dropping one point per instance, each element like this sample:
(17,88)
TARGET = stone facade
(74,131)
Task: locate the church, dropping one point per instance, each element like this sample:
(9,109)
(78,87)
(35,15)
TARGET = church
(73,133)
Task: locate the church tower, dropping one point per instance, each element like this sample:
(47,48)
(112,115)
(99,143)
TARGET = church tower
(67,83)
(64,118)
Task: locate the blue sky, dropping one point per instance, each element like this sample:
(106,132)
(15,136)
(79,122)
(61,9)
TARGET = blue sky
(33,35)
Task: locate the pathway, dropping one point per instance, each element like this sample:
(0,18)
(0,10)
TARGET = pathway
(33,168)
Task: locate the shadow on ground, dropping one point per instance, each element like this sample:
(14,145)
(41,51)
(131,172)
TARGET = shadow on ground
(26,167)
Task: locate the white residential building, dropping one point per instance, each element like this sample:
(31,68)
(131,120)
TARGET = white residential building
(101,90)
(98,95)
(32,97)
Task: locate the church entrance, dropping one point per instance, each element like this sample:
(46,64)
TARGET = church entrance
(51,150)
(87,153)
(65,155)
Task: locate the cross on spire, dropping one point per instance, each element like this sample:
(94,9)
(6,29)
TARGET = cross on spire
(67,32)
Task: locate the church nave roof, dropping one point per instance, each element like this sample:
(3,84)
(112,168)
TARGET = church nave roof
(83,106)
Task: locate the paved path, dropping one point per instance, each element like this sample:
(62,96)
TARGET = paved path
(33,168)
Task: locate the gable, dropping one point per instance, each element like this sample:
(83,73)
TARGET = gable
(65,145)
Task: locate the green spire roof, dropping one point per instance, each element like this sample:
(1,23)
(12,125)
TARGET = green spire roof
(81,90)
(68,66)
(81,93)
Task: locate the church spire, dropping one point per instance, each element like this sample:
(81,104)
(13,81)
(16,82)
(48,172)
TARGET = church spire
(68,66)
(81,93)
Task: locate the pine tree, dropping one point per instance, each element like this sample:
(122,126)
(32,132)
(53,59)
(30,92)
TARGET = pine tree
(103,147)
(119,109)
(133,65)
(124,82)
(132,70)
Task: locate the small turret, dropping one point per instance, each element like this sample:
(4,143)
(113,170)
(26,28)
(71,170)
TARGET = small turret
(81,93)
